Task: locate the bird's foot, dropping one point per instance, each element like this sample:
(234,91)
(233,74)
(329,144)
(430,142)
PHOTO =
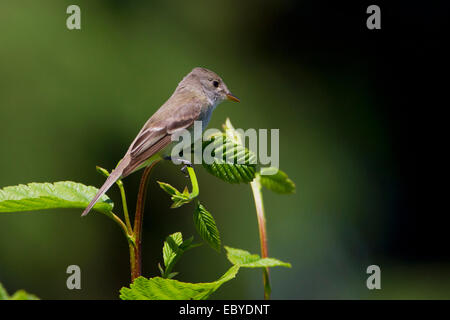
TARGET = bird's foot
(186,163)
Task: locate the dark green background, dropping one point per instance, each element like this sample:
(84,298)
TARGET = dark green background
(340,94)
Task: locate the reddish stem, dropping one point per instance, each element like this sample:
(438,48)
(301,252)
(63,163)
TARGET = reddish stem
(257,195)
(136,251)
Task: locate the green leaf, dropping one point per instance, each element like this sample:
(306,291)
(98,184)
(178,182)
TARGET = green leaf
(178,198)
(63,194)
(231,161)
(161,270)
(18,295)
(245,259)
(232,133)
(168,188)
(3,293)
(158,288)
(170,248)
(187,243)
(172,274)
(173,249)
(206,227)
(23,295)
(278,182)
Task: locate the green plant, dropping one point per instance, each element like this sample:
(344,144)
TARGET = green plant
(18,295)
(242,168)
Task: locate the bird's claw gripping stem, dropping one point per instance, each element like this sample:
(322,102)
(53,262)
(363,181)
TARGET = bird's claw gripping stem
(186,163)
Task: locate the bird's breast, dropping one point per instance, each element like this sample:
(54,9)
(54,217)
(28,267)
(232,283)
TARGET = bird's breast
(205,116)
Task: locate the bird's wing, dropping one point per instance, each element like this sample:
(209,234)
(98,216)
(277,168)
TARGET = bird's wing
(156,133)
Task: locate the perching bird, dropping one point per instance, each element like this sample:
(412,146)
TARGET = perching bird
(194,99)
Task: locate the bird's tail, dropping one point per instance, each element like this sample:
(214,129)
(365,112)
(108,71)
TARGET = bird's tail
(113,177)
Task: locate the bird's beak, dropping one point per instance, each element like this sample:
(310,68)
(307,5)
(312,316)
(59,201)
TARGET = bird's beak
(232,98)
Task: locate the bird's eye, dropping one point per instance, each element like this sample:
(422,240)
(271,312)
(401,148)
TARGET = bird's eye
(216,83)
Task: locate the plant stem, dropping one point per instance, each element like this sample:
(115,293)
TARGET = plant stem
(120,223)
(136,251)
(194,182)
(119,183)
(257,195)
(125,206)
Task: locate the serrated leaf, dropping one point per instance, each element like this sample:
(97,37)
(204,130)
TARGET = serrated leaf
(206,226)
(230,161)
(245,259)
(170,247)
(174,247)
(239,256)
(158,288)
(278,182)
(39,196)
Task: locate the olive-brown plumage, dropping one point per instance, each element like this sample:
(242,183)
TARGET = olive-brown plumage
(194,99)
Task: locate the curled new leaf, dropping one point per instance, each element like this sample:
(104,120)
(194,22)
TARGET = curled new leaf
(181,198)
(63,194)
(178,198)
(170,247)
(173,249)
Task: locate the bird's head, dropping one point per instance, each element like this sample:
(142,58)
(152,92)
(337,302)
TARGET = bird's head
(211,84)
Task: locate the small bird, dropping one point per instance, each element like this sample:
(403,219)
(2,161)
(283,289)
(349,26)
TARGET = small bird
(194,99)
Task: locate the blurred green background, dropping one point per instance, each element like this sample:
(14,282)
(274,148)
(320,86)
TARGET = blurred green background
(70,100)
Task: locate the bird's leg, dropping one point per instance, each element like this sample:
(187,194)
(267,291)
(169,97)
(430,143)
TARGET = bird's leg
(186,163)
